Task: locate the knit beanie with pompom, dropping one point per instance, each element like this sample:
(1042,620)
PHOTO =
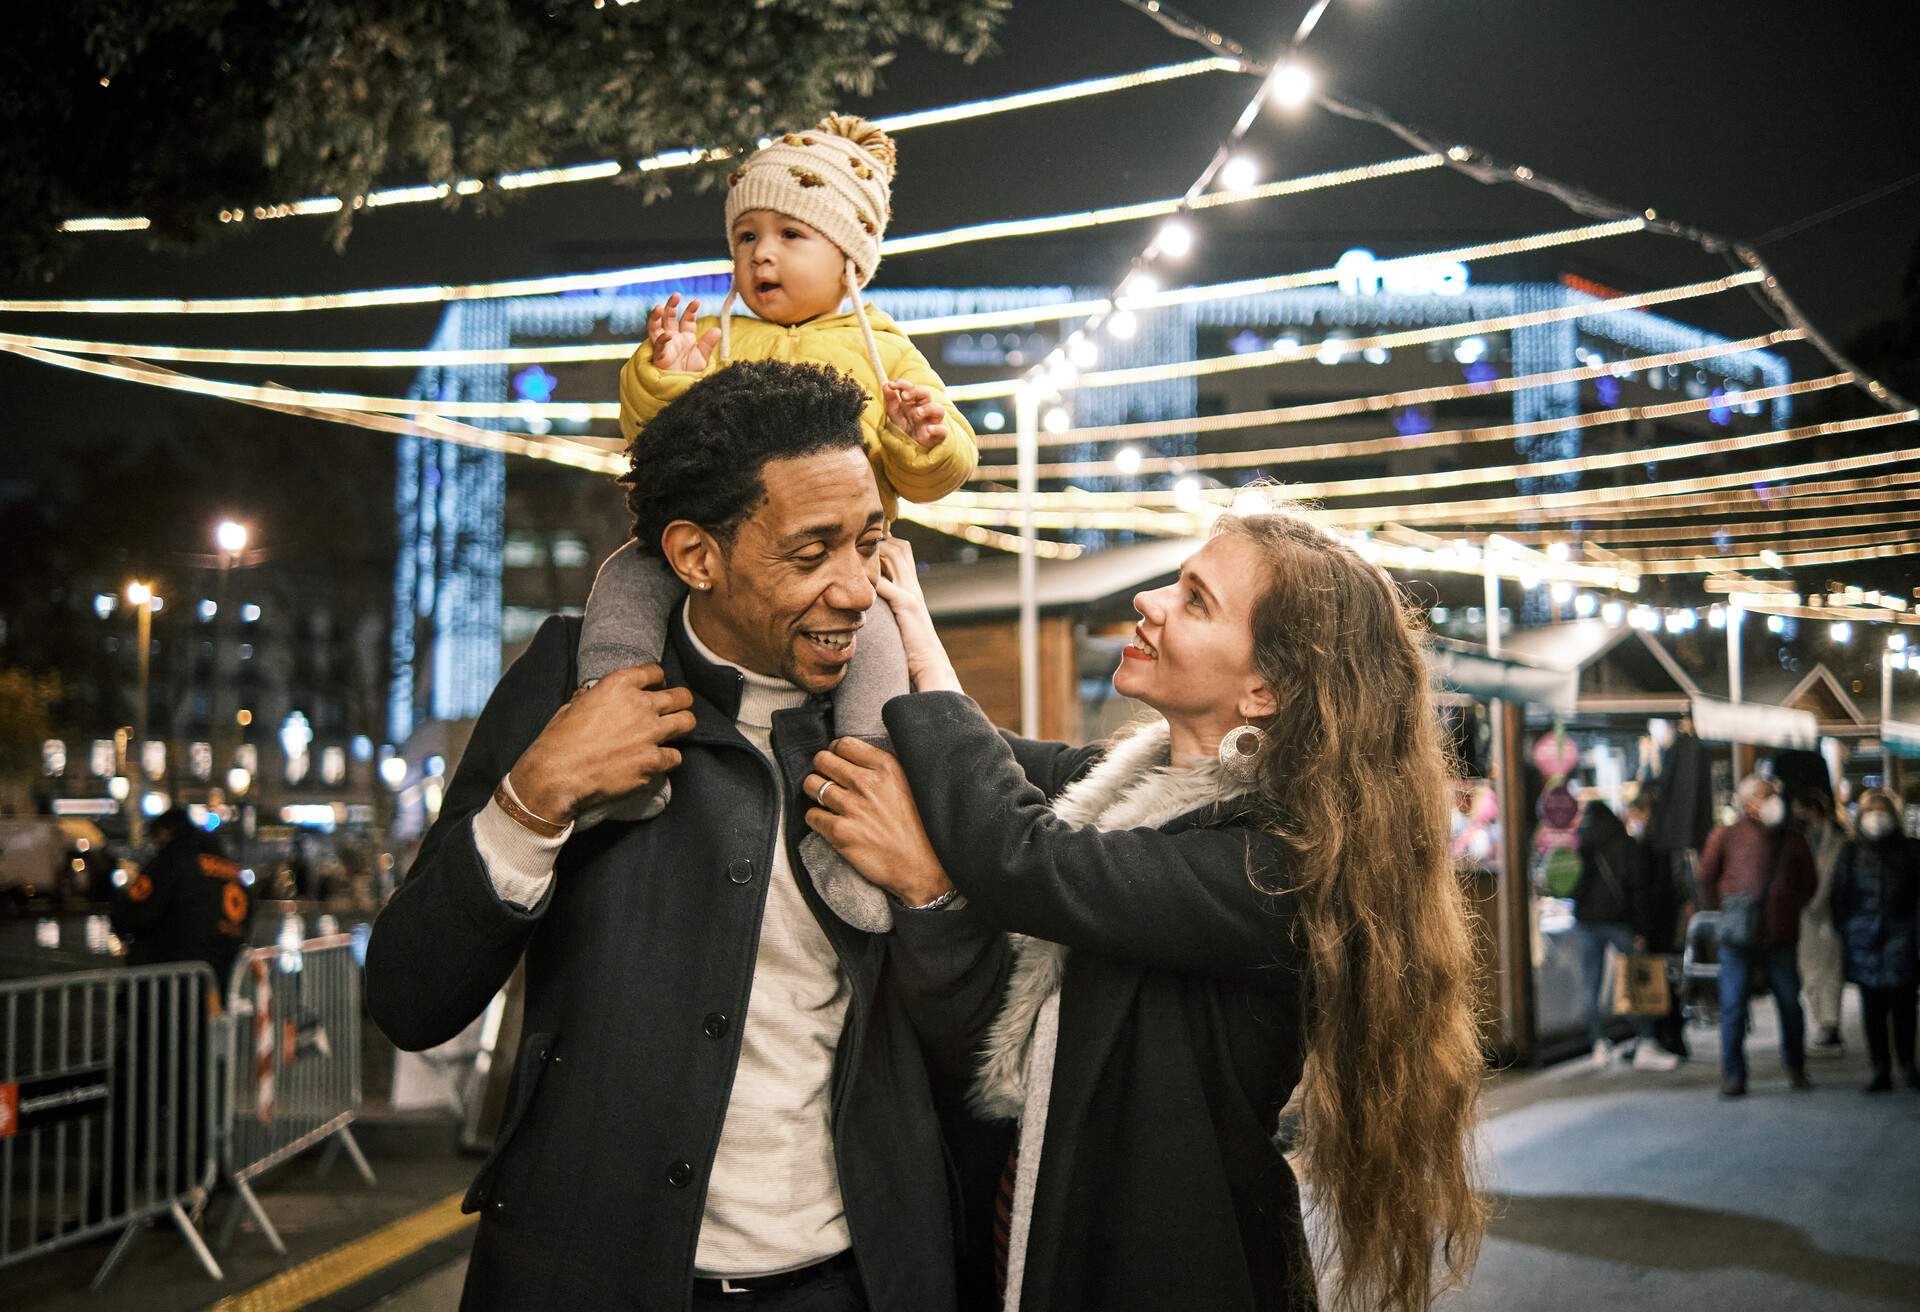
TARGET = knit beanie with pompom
(836,178)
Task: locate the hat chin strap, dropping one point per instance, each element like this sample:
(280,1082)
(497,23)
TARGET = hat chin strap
(866,330)
(726,321)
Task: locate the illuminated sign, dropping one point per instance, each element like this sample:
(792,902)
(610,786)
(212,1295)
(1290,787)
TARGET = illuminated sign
(1359,273)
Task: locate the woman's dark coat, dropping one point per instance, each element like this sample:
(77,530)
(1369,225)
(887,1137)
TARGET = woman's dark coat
(1876,885)
(639,962)
(1180,1034)
(1616,885)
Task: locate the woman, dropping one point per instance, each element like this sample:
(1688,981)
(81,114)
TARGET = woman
(1612,907)
(1252,892)
(1876,884)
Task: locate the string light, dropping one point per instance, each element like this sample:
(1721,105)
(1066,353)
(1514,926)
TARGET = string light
(553,286)
(1174,239)
(1576,503)
(105,225)
(1127,460)
(1291,86)
(1214,365)
(1317,410)
(1327,276)
(1120,324)
(1440,438)
(1239,173)
(895,123)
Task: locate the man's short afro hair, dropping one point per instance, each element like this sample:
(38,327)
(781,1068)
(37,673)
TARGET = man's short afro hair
(700,459)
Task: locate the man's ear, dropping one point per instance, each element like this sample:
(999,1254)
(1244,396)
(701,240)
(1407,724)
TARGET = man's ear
(692,553)
(1257,703)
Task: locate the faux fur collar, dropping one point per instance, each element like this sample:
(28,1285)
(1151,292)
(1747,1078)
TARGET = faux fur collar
(1133,787)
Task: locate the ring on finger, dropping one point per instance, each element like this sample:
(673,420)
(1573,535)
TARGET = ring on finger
(820,798)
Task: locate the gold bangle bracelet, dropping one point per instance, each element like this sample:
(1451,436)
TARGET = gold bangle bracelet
(523,817)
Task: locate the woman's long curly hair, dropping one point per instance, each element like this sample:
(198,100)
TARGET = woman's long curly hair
(1357,785)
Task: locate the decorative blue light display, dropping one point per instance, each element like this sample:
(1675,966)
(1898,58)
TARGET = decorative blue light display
(449,500)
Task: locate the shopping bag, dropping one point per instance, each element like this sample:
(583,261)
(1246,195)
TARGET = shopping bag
(1640,984)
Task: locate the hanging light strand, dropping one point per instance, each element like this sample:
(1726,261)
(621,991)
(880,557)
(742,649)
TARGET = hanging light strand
(605,280)
(1448,438)
(1019,316)
(601,169)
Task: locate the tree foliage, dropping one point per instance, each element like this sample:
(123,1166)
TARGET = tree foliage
(26,719)
(177,109)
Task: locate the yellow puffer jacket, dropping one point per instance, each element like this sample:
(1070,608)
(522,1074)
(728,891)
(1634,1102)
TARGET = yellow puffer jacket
(900,466)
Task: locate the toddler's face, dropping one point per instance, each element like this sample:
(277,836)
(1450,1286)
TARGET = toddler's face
(785,271)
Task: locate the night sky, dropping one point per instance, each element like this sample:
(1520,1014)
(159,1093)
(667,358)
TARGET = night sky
(1737,118)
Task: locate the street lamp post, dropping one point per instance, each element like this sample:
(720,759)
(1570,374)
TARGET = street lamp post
(141,597)
(231,538)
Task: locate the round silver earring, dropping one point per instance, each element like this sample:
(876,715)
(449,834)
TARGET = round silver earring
(1240,750)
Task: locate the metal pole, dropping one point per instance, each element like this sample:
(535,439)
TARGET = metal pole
(136,818)
(1026,419)
(1735,616)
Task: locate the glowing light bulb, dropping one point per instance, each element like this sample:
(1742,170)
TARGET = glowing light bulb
(1175,239)
(1127,459)
(1122,324)
(1082,351)
(1239,173)
(231,537)
(1056,420)
(1291,86)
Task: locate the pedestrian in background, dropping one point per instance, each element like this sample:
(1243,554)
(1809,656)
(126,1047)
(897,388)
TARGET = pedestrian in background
(1876,879)
(1667,903)
(1758,873)
(1611,905)
(1820,974)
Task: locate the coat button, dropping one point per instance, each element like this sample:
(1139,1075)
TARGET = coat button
(680,1174)
(714,1026)
(740,871)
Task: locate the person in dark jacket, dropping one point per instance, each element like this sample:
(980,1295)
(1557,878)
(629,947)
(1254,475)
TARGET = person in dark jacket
(1251,895)
(1876,890)
(1762,858)
(186,903)
(720,1100)
(1613,907)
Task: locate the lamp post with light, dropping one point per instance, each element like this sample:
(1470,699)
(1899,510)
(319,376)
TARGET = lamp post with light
(230,537)
(140,597)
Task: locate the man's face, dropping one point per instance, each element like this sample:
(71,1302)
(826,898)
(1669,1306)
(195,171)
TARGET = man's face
(795,587)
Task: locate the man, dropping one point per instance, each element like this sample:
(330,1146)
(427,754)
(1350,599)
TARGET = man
(719,1101)
(1762,857)
(186,904)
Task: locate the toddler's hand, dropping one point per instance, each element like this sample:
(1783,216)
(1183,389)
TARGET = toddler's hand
(918,413)
(675,344)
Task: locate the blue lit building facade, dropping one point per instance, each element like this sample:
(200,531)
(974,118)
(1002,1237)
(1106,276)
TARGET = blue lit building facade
(451,501)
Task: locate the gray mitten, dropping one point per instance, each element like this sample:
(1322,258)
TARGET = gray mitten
(845,889)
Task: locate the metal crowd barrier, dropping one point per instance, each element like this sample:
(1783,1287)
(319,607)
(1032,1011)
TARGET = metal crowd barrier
(106,1109)
(293,1064)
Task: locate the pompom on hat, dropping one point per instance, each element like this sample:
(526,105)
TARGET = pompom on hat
(835,177)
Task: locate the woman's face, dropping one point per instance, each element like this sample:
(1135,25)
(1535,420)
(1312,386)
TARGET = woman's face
(1191,657)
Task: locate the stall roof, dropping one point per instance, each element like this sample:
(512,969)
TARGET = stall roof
(992,586)
(1818,692)
(1618,669)
(1466,667)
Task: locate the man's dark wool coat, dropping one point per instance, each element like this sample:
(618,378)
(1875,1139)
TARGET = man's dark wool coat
(639,963)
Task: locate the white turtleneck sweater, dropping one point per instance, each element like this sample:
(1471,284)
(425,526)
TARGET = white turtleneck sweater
(773,1199)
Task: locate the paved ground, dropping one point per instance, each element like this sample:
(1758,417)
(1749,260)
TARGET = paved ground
(1616,1189)
(1638,1190)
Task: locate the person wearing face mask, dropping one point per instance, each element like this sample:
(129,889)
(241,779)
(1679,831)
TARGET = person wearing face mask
(1876,884)
(1819,944)
(1758,872)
